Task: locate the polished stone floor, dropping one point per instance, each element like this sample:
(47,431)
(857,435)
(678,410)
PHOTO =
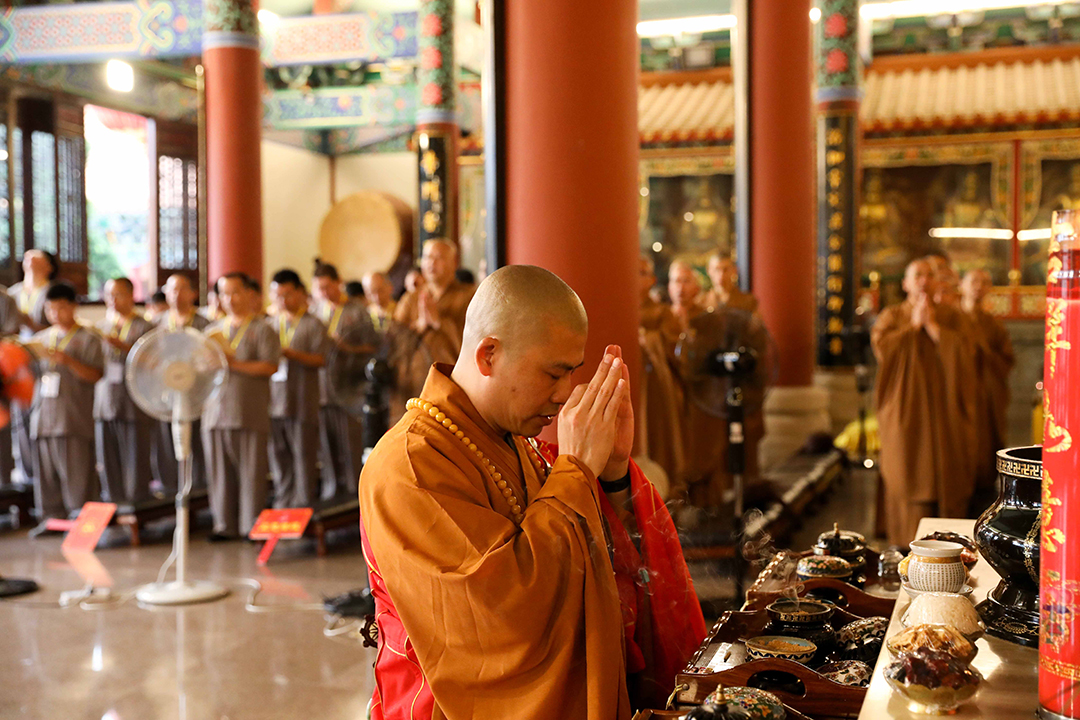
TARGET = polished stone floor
(215,661)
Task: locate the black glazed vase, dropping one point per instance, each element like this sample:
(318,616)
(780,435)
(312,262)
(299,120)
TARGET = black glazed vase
(1007,535)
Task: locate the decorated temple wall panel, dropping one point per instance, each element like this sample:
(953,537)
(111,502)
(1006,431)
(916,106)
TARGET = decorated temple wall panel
(686,206)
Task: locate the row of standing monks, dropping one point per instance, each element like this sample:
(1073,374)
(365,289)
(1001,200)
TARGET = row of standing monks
(683,423)
(276,415)
(942,394)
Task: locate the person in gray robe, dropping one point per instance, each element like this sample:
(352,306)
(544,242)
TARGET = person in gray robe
(351,330)
(40,268)
(180,294)
(72,363)
(294,394)
(236,421)
(121,429)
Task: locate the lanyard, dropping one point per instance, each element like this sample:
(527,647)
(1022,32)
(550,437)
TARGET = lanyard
(55,343)
(172,321)
(234,341)
(125,330)
(28,300)
(285,332)
(332,317)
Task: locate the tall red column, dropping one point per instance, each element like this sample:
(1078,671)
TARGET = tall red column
(233,132)
(572,156)
(782,181)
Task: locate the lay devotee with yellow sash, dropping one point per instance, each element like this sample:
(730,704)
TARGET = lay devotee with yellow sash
(496,593)
(926,404)
(429,319)
(996,360)
(340,439)
(725,291)
(123,432)
(380,300)
(659,426)
(63,436)
(236,420)
(40,268)
(294,394)
(180,295)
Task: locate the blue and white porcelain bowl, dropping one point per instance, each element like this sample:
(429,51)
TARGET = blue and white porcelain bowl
(780,647)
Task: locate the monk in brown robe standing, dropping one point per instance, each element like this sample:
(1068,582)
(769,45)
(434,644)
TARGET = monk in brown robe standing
(996,360)
(496,596)
(725,290)
(684,289)
(925,405)
(429,321)
(659,427)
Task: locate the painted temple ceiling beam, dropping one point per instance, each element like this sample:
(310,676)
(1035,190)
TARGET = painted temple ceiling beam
(145,29)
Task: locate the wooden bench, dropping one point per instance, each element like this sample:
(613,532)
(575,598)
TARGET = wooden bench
(332,514)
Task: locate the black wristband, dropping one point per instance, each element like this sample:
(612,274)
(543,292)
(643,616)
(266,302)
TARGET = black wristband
(615,486)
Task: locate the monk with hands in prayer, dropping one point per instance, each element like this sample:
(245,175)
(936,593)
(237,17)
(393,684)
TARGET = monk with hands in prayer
(506,582)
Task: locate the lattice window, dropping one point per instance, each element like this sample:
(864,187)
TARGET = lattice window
(5,205)
(43,155)
(72,196)
(18,227)
(178,224)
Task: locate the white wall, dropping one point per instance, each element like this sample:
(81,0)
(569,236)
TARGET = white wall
(393,173)
(295,197)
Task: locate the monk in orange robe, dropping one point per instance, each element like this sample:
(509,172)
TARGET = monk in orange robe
(496,596)
(428,322)
(925,407)
(725,290)
(659,427)
(996,360)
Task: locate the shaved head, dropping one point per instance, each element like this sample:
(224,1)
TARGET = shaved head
(525,334)
(519,305)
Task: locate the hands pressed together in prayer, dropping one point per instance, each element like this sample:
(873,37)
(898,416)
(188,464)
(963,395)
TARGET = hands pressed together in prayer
(924,315)
(596,425)
(428,311)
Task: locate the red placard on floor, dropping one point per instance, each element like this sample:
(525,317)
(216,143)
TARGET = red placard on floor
(273,525)
(91,523)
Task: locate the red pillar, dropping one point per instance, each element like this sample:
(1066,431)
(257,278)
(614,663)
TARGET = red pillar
(782,181)
(233,132)
(572,157)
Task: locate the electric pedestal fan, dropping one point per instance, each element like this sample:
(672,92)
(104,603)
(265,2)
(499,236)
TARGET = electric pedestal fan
(18,373)
(171,374)
(728,361)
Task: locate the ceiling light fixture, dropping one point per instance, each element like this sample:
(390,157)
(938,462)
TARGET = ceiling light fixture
(1037,234)
(971,233)
(269,18)
(696,25)
(119,76)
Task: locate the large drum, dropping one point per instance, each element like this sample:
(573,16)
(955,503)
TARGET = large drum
(368,232)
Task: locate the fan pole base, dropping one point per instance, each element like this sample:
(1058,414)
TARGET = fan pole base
(10,587)
(180,593)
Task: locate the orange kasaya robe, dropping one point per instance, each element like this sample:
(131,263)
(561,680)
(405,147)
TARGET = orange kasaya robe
(412,351)
(481,618)
(995,362)
(926,404)
(737,300)
(659,413)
